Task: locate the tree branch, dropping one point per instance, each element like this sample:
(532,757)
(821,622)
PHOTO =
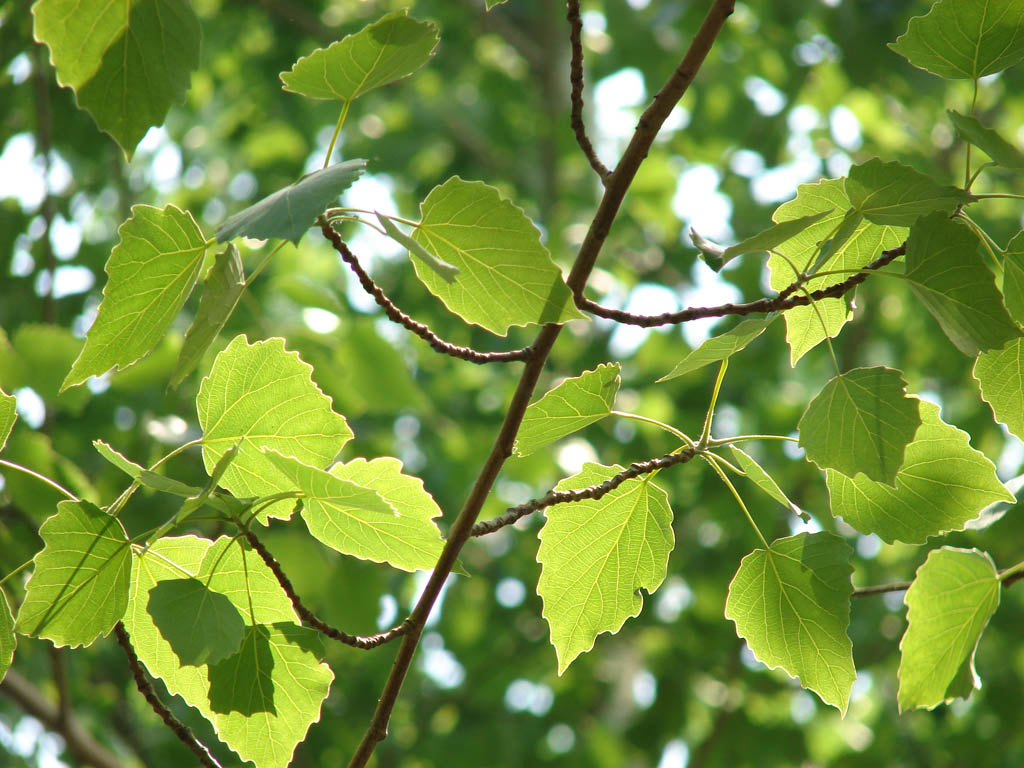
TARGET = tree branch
(785,300)
(182,731)
(310,618)
(615,191)
(79,742)
(576,81)
(398,316)
(552,498)
(1008,577)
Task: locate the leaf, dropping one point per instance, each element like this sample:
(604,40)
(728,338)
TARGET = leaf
(128,61)
(721,347)
(942,484)
(965,40)
(8,415)
(80,579)
(764,481)
(711,253)
(259,396)
(281,681)
(383,52)
(568,408)
(949,277)
(442,269)
(201,626)
(861,421)
(1000,375)
(150,272)
(8,640)
(988,141)
(791,603)
(596,556)
(772,237)
(506,276)
(491,3)
(896,194)
(954,594)
(1013,277)
(804,328)
(143,475)
(221,291)
(290,211)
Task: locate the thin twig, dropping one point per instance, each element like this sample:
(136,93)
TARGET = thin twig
(576,96)
(551,498)
(785,300)
(311,619)
(881,589)
(398,316)
(182,731)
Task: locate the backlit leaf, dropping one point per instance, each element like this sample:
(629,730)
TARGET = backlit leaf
(897,195)
(791,603)
(764,481)
(1000,375)
(949,604)
(8,640)
(568,408)
(721,347)
(773,237)
(8,415)
(150,273)
(506,276)
(142,475)
(941,485)
(596,556)
(260,396)
(988,141)
(1013,277)
(80,579)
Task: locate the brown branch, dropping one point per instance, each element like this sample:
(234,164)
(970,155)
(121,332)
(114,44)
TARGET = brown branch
(551,498)
(398,316)
(576,81)
(182,731)
(79,741)
(785,300)
(308,617)
(615,190)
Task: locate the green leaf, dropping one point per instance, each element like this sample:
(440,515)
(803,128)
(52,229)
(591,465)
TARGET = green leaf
(721,347)
(861,421)
(896,194)
(261,700)
(201,626)
(988,141)
(791,603)
(491,3)
(128,61)
(764,481)
(8,415)
(442,269)
(150,272)
(142,475)
(712,253)
(949,604)
(1013,277)
(388,50)
(8,640)
(568,408)
(942,484)
(79,584)
(947,274)
(290,211)
(259,396)
(1000,375)
(765,240)
(960,39)
(221,291)
(506,276)
(596,556)
(804,328)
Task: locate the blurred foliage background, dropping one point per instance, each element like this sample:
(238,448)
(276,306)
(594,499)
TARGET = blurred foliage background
(793,91)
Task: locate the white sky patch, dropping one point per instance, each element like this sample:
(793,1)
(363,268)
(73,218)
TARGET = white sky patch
(803,118)
(768,100)
(747,163)
(573,454)
(165,168)
(845,128)
(20,68)
(708,289)
(838,164)
(615,100)
(647,299)
(699,204)
(30,407)
(780,183)
(439,664)
(644,687)
(320,320)
(21,172)
(371,192)
(526,696)
(675,755)
(638,5)
(65,237)
(71,279)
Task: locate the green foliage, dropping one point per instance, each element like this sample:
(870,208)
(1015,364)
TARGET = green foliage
(756,474)
(8,415)
(988,141)
(1013,278)
(8,640)
(1000,376)
(897,195)
(720,347)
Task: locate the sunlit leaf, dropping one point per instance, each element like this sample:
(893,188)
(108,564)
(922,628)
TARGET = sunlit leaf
(150,273)
(222,289)
(861,421)
(80,579)
(941,485)
(764,481)
(8,415)
(767,239)
(128,61)
(897,195)
(949,604)
(289,212)
(988,141)
(965,39)
(506,276)
(8,640)
(1000,375)
(791,603)
(143,475)
(568,408)
(596,556)
(721,347)
(387,50)
(260,396)
(947,274)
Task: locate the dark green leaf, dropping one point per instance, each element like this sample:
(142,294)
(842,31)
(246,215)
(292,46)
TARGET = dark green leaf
(1013,277)
(988,141)
(896,194)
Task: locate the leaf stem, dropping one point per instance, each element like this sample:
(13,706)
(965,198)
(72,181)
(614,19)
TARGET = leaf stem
(16,571)
(713,443)
(337,131)
(43,478)
(711,459)
(263,264)
(705,434)
(660,424)
(985,239)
